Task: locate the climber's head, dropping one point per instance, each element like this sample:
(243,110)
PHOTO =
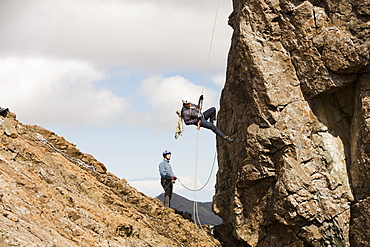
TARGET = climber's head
(167,154)
(186,100)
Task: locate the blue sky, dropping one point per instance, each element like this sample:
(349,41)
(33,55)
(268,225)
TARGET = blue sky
(108,75)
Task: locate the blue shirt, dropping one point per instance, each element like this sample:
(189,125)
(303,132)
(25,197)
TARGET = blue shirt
(165,170)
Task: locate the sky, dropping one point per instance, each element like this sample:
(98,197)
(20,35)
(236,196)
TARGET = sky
(109,75)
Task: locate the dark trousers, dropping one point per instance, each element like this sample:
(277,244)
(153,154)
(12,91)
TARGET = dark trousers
(211,115)
(167,186)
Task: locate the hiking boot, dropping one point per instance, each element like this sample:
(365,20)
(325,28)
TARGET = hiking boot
(229,139)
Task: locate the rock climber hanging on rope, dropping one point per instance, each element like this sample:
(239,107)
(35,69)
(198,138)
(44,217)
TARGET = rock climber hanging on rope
(192,115)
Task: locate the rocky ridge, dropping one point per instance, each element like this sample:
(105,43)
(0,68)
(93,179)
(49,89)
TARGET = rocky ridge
(52,194)
(296,100)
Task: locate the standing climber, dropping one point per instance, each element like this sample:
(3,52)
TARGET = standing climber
(192,115)
(4,111)
(167,177)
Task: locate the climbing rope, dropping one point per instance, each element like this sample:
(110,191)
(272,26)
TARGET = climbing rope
(209,177)
(195,190)
(210,46)
(195,207)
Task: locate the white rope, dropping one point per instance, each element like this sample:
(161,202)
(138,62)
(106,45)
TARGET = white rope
(210,47)
(209,177)
(195,207)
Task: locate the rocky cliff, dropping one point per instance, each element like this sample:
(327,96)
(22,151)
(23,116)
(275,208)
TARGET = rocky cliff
(297,102)
(51,194)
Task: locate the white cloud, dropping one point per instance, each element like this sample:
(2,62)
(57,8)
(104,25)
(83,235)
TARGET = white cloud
(164,95)
(45,90)
(43,43)
(73,62)
(151,187)
(147,35)
(219,79)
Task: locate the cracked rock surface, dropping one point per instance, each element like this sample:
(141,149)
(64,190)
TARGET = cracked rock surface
(296,101)
(52,194)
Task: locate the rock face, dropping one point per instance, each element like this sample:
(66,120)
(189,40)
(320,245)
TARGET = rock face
(51,194)
(297,102)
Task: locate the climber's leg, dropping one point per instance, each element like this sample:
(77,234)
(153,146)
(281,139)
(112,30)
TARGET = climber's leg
(211,126)
(210,114)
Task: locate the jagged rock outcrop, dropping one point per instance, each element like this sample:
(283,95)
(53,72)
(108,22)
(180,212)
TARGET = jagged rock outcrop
(296,100)
(51,194)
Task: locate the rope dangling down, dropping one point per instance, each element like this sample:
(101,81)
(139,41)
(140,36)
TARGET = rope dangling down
(209,177)
(179,129)
(195,208)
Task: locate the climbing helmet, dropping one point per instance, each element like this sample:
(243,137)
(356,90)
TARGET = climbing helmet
(166,152)
(186,100)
